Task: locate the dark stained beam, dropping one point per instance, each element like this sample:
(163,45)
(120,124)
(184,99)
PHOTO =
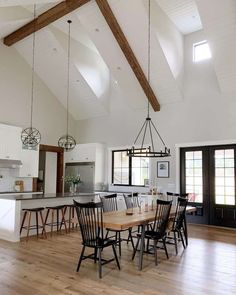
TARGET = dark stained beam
(44,20)
(125,47)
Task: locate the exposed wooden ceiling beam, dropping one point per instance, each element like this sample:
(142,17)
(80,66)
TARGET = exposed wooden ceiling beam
(44,20)
(125,47)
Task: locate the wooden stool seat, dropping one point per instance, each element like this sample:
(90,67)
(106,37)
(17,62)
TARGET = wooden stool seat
(58,223)
(28,227)
(34,209)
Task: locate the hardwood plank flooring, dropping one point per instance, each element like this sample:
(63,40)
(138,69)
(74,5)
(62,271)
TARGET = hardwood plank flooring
(47,267)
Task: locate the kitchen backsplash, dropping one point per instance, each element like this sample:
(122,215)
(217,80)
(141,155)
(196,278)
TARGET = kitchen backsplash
(8,178)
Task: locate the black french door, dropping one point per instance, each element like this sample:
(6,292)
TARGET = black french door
(208,175)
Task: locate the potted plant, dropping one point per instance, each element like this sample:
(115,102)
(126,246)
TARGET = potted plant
(73,181)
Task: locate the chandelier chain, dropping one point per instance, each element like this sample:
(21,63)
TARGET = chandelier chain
(149,50)
(68,81)
(33,65)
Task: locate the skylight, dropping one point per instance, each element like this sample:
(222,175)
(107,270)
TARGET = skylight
(201,51)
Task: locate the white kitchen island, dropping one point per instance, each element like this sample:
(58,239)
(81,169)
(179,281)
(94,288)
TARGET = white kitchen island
(11,209)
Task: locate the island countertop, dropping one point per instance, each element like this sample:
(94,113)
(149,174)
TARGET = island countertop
(21,197)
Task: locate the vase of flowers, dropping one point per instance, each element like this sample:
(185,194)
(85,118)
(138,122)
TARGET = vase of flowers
(73,182)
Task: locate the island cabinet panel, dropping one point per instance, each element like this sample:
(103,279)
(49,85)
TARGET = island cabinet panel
(10,142)
(30,163)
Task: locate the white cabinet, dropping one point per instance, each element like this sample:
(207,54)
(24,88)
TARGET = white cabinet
(81,153)
(30,163)
(10,142)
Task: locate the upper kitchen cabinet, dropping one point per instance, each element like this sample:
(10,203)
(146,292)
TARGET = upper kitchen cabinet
(30,163)
(10,143)
(82,153)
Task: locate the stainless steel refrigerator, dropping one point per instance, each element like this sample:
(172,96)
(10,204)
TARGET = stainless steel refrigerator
(86,172)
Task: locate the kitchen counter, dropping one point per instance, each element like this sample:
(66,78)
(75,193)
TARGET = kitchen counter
(22,196)
(11,209)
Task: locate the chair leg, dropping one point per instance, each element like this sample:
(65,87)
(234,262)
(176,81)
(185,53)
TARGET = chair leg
(63,219)
(136,247)
(23,221)
(28,226)
(176,243)
(182,239)
(70,208)
(107,234)
(164,245)
(130,237)
(147,248)
(119,244)
(37,224)
(100,262)
(80,259)
(155,250)
(43,225)
(115,254)
(52,220)
(95,254)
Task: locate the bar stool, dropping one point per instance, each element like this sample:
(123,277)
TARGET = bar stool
(28,227)
(71,219)
(58,223)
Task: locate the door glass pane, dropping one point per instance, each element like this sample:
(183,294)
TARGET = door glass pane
(193,176)
(224,177)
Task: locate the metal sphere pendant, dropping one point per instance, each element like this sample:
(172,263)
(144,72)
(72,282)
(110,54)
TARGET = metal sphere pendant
(30,137)
(67,142)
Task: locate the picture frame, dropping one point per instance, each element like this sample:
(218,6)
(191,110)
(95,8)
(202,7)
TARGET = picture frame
(163,169)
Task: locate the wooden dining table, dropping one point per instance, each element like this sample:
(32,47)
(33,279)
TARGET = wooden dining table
(121,220)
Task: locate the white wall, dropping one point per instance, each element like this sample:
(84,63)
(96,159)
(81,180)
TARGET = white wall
(15,85)
(204,115)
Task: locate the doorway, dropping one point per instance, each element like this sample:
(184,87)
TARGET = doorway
(51,163)
(208,175)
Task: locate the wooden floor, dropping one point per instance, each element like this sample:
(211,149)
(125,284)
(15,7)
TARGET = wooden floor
(47,267)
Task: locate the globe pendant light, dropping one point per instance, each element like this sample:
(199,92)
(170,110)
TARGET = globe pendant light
(30,136)
(67,142)
(148,126)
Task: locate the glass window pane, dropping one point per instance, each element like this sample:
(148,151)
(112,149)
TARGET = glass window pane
(189,155)
(124,159)
(229,162)
(198,155)
(229,181)
(229,153)
(229,171)
(189,181)
(117,176)
(198,180)
(219,154)
(219,190)
(229,191)
(220,200)
(219,172)
(189,172)
(229,200)
(125,176)
(197,171)
(197,163)
(189,189)
(219,162)
(117,159)
(189,163)
(219,181)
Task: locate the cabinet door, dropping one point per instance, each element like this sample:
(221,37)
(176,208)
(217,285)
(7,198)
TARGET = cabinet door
(72,156)
(10,144)
(86,153)
(30,161)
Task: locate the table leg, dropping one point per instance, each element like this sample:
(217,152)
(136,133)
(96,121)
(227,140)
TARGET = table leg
(185,231)
(141,247)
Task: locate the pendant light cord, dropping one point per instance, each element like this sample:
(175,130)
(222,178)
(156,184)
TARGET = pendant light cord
(68,80)
(149,51)
(33,63)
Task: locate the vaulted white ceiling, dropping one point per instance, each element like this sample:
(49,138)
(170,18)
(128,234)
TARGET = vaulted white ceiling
(101,78)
